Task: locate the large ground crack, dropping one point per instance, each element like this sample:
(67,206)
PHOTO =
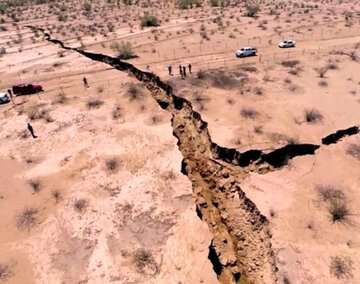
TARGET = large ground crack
(241,248)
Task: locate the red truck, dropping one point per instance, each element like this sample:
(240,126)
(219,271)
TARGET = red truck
(26,89)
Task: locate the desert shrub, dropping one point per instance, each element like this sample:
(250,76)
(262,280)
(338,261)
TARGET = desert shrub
(5,272)
(252,8)
(124,50)
(341,267)
(87,7)
(61,99)
(134,93)
(290,63)
(219,3)
(323,83)
(223,80)
(2,51)
(322,71)
(100,89)
(35,186)
(149,21)
(94,103)
(26,219)
(327,193)
(295,71)
(56,195)
(201,74)
(313,116)
(117,112)
(354,151)
(35,113)
(249,68)
(80,205)
(338,210)
(332,66)
(249,113)
(112,165)
(188,4)
(258,91)
(286,280)
(145,262)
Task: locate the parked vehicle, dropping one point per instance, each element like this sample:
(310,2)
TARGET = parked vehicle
(4,98)
(287,43)
(26,89)
(246,51)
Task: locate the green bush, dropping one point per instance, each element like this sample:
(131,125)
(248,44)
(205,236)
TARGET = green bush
(149,21)
(3,8)
(125,51)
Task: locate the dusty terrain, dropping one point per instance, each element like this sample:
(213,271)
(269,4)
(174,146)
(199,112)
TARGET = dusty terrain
(119,188)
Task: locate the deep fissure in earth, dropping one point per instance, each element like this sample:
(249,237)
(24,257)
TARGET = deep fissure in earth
(241,242)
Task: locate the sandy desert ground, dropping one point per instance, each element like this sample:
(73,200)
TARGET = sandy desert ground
(125,184)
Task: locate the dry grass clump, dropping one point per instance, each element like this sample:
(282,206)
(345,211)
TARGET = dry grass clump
(354,151)
(249,113)
(336,200)
(26,219)
(329,192)
(94,103)
(341,267)
(145,262)
(313,116)
(35,113)
(80,205)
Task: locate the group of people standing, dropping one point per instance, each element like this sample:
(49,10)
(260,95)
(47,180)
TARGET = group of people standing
(182,70)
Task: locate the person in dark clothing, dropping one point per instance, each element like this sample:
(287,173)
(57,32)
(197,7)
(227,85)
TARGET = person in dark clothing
(86,84)
(181,72)
(31,130)
(170,70)
(189,66)
(184,71)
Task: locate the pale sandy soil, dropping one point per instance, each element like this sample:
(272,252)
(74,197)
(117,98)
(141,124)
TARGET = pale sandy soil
(145,202)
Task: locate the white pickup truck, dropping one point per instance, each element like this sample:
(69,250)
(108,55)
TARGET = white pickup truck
(245,52)
(287,43)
